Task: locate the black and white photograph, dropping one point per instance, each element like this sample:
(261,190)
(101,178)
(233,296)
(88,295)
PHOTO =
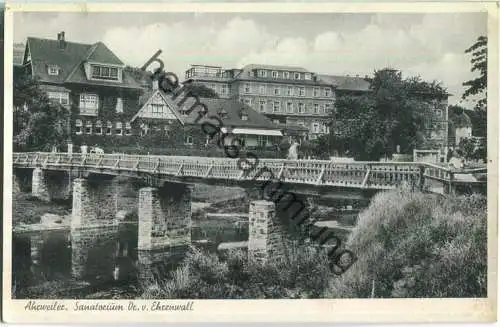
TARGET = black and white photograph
(247,155)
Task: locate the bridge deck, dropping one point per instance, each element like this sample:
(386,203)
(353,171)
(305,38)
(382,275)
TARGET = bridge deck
(312,173)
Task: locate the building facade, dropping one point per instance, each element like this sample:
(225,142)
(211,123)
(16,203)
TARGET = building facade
(117,109)
(290,97)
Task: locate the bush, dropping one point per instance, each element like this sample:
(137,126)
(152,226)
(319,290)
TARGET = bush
(418,245)
(301,273)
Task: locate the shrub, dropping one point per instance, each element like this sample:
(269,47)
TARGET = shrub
(301,273)
(418,245)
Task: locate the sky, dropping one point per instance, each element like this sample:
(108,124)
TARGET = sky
(429,45)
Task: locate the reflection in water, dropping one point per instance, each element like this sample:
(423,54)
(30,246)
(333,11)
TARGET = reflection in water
(106,259)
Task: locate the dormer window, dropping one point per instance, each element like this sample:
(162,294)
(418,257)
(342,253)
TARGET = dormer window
(262,73)
(53,70)
(297,76)
(287,75)
(308,76)
(222,113)
(275,74)
(105,73)
(243,115)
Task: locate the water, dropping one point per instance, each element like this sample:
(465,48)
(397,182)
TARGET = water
(108,266)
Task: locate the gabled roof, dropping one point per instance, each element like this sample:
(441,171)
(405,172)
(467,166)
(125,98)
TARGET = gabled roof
(70,61)
(45,52)
(233,109)
(347,83)
(145,99)
(100,53)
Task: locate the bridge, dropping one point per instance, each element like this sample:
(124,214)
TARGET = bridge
(164,194)
(308,176)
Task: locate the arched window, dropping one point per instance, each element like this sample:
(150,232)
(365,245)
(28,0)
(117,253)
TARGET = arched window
(79,127)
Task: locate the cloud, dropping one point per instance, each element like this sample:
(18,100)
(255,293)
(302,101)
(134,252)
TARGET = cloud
(430,45)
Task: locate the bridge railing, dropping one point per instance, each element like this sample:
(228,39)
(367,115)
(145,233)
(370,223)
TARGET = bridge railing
(379,175)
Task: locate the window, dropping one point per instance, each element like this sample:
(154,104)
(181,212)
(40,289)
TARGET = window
(78,127)
(301,108)
(439,113)
(289,107)
(59,97)
(262,105)
(289,90)
(326,92)
(102,72)
(88,127)
(276,106)
(188,140)
(297,76)
(144,129)
(224,89)
(247,88)
(302,91)
(327,108)
(315,128)
(316,92)
(286,74)
(119,105)
(128,129)
(244,116)
(275,74)
(247,101)
(119,130)
(308,76)
(276,121)
(109,128)
(262,73)
(53,70)
(89,104)
(98,127)
(316,108)
(276,91)
(262,89)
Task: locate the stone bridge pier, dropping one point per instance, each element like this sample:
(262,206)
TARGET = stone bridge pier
(94,228)
(51,185)
(164,228)
(277,217)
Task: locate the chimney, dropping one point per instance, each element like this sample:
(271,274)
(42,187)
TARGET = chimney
(61,40)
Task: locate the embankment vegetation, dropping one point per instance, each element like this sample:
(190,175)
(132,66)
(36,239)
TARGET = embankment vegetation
(408,245)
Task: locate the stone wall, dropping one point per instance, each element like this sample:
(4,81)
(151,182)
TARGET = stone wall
(164,216)
(266,238)
(94,202)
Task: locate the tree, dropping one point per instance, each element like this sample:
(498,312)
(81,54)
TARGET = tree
(478,87)
(479,62)
(202,91)
(38,123)
(393,114)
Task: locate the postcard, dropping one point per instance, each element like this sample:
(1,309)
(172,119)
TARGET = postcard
(250,162)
